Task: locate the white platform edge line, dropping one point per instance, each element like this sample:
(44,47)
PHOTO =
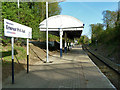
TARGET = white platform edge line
(101,72)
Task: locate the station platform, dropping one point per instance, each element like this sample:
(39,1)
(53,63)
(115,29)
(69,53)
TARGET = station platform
(74,70)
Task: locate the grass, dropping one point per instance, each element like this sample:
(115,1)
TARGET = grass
(19,53)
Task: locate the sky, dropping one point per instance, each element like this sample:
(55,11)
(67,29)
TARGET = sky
(87,12)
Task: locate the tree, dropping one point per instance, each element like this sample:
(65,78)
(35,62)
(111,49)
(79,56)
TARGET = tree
(109,18)
(54,9)
(83,40)
(97,30)
(30,14)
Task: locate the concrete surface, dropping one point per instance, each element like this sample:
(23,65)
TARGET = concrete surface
(73,70)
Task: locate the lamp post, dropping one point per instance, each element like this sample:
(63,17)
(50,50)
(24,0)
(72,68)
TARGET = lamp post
(47,60)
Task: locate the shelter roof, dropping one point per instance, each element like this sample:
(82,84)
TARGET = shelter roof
(65,22)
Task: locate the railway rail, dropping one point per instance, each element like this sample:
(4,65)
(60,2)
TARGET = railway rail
(111,73)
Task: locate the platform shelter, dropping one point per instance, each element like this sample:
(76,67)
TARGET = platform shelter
(63,25)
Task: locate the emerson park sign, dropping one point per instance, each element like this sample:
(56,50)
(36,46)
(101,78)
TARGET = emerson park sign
(13,29)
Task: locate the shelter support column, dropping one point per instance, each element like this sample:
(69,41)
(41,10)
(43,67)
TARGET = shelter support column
(65,49)
(61,33)
(68,46)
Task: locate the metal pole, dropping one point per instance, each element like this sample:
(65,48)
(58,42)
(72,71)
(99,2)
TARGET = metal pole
(61,33)
(12,41)
(27,55)
(65,49)
(18,3)
(47,29)
(18,9)
(68,46)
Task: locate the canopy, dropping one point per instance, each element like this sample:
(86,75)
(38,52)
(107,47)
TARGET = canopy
(69,24)
(65,22)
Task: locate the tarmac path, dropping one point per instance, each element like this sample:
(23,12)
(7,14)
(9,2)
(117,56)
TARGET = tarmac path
(73,70)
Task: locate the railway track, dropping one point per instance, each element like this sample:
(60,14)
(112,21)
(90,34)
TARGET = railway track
(111,73)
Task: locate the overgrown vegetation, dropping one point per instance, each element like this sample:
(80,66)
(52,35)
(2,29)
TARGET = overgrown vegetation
(19,53)
(109,31)
(84,40)
(107,35)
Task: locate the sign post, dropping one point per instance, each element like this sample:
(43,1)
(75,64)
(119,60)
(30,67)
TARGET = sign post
(27,55)
(13,29)
(12,41)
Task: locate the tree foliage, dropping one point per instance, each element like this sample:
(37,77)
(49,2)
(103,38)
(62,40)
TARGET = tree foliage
(29,14)
(111,32)
(83,40)
(109,18)
(97,30)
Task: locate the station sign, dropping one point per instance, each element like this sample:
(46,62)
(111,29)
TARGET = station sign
(13,29)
